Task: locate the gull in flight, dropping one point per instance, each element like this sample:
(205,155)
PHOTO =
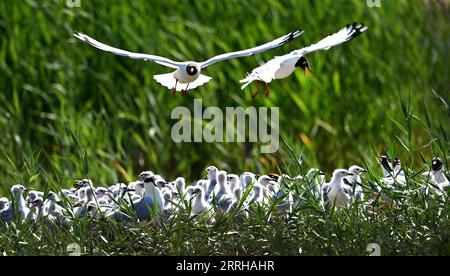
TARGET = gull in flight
(189,72)
(283,66)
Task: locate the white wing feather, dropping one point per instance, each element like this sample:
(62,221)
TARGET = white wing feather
(94,43)
(270,45)
(346,34)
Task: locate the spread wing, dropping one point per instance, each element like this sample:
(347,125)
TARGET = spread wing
(344,35)
(94,43)
(262,48)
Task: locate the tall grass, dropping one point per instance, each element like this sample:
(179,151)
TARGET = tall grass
(69,111)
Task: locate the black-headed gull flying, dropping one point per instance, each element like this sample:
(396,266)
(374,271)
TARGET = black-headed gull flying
(283,66)
(187,72)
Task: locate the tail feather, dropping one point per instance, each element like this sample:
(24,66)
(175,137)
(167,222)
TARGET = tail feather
(169,81)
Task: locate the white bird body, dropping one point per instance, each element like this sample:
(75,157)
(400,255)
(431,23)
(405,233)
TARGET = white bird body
(356,182)
(200,206)
(8,212)
(335,192)
(152,202)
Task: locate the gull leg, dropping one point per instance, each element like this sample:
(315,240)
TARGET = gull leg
(257,90)
(174,90)
(184,92)
(267,90)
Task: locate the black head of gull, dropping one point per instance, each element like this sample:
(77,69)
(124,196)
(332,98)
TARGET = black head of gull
(191,69)
(145,174)
(436,164)
(303,63)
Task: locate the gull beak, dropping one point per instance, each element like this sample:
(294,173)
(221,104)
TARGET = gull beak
(307,69)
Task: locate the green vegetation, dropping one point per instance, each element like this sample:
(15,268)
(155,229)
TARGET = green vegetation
(69,111)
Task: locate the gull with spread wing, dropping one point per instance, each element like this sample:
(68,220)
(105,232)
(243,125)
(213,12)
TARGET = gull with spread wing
(283,66)
(189,72)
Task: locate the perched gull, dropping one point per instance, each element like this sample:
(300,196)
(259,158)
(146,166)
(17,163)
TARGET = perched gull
(438,175)
(7,213)
(180,184)
(212,181)
(223,196)
(237,192)
(223,189)
(356,182)
(152,201)
(283,66)
(200,206)
(145,174)
(86,202)
(37,206)
(315,179)
(233,181)
(257,196)
(395,175)
(186,72)
(337,192)
(247,178)
(33,194)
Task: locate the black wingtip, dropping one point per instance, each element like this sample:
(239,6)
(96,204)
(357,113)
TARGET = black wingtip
(356,29)
(291,36)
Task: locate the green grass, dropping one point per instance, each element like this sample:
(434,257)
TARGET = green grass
(69,111)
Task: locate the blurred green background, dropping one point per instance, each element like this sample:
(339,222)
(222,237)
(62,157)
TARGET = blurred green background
(68,110)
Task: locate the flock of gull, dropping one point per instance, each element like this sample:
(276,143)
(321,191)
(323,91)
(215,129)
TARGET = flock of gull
(219,193)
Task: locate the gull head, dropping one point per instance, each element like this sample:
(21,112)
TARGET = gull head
(32,195)
(436,164)
(341,173)
(212,171)
(303,63)
(18,190)
(145,174)
(150,180)
(180,184)
(160,183)
(396,162)
(53,197)
(233,180)
(192,69)
(83,183)
(264,180)
(198,191)
(356,170)
(38,202)
(101,192)
(313,172)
